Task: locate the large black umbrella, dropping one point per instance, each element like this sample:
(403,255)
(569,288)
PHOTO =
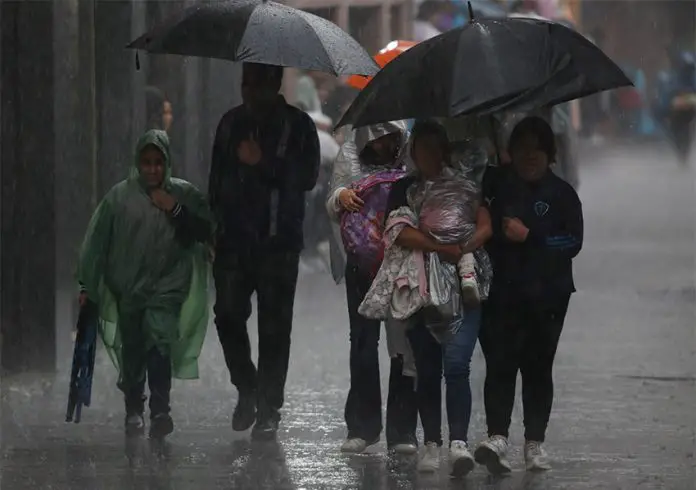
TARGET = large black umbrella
(259,31)
(487,66)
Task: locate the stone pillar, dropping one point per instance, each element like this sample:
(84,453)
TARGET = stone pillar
(28,283)
(72,178)
(385,23)
(115,68)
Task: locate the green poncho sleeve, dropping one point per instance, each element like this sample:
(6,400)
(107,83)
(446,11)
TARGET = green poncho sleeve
(193,320)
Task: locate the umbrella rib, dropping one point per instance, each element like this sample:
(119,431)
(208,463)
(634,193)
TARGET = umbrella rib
(314,33)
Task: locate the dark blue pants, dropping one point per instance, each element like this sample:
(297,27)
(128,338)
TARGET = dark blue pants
(455,356)
(159,380)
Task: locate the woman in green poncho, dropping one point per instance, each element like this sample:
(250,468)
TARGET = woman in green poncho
(143,262)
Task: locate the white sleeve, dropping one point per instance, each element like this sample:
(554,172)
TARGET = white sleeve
(333,206)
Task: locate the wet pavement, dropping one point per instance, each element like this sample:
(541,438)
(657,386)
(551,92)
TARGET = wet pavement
(624,414)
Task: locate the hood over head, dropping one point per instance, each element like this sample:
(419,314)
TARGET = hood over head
(348,167)
(365,134)
(160,140)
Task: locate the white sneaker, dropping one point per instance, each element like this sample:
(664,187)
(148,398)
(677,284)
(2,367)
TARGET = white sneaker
(430,461)
(535,457)
(355,445)
(492,453)
(405,448)
(461,460)
(469,284)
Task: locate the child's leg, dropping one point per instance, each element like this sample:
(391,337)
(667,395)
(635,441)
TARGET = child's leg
(133,362)
(467,274)
(161,327)
(159,377)
(132,369)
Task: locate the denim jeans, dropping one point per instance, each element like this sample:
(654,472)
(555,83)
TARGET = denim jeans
(455,355)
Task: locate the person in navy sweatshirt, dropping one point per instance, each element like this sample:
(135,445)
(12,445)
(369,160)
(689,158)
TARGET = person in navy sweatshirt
(537,231)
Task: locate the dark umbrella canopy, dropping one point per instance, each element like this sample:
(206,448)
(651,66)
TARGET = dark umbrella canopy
(487,66)
(259,31)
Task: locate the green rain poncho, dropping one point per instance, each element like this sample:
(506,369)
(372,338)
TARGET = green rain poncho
(150,287)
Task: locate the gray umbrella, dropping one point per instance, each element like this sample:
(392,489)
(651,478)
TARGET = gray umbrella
(259,31)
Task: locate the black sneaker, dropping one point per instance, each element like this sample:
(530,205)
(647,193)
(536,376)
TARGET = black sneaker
(161,425)
(265,430)
(245,412)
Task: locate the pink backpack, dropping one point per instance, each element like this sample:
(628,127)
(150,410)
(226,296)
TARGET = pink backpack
(362,231)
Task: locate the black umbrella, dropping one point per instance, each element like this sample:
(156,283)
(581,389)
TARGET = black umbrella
(259,31)
(487,66)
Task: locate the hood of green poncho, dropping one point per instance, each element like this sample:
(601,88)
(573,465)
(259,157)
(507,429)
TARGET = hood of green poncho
(160,140)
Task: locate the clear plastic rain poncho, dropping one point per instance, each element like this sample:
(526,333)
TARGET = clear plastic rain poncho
(348,168)
(151,289)
(447,208)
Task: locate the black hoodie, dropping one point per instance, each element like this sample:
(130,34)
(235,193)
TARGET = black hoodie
(540,267)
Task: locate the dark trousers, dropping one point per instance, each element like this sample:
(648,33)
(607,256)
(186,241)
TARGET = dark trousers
(520,335)
(428,356)
(272,274)
(158,369)
(363,411)
(682,132)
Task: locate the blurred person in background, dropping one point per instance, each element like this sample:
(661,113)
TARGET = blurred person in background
(369,151)
(434,17)
(317,224)
(158,109)
(676,106)
(143,265)
(537,232)
(306,94)
(266,157)
(595,108)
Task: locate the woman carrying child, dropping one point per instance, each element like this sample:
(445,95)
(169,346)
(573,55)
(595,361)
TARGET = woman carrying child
(430,152)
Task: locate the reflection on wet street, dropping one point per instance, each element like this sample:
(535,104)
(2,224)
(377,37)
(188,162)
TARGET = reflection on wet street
(623,417)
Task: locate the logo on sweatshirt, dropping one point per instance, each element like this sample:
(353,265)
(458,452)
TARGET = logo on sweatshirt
(541,208)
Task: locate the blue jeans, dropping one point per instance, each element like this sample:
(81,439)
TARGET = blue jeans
(455,355)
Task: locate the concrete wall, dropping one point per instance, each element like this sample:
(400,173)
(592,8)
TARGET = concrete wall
(28,263)
(72,107)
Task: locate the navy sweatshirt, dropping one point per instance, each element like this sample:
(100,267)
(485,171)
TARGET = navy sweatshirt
(540,267)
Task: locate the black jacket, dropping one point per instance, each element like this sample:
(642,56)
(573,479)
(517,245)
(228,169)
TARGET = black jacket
(542,265)
(265,203)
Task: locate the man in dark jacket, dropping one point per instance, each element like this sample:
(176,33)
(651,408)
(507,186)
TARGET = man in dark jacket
(265,157)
